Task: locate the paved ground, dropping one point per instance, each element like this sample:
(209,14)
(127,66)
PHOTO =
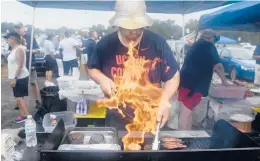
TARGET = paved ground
(8,102)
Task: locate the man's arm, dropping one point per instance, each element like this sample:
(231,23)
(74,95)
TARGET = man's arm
(94,70)
(94,66)
(171,77)
(219,69)
(170,87)
(96,75)
(217,66)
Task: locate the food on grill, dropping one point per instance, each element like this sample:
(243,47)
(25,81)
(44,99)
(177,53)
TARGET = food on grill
(76,138)
(170,139)
(173,145)
(133,146)
(97,139)
(148,147)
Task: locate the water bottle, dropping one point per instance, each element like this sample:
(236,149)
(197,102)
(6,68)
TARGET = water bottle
(30,131)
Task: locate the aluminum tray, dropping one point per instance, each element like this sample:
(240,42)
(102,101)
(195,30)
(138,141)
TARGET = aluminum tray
(110,134)
(90,147)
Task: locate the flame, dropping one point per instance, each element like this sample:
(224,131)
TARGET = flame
(135,90)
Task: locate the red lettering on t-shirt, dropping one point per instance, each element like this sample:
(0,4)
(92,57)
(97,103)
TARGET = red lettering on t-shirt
(113,71)
(119,72)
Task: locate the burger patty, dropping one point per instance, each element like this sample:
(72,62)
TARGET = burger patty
(170,139)
(148,147)
(76,138)
(173,145)
(133,146)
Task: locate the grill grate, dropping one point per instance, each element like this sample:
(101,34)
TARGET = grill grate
(197,143)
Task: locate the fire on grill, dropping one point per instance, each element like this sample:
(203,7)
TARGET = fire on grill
(135,90)
(226,143)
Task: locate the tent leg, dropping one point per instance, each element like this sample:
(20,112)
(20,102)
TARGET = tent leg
(30,59)
(183,35)
(31,44)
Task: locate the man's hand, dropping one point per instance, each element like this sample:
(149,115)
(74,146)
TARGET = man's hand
(225,83)
(163,112)
(12,83)
(107,86)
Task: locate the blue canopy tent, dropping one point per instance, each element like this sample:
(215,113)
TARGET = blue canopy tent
(166,6)
(242,16)
(226,40)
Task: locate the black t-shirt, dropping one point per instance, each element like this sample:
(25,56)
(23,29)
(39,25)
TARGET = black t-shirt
(110,54)
(90,46)
(197,70)
(257,53)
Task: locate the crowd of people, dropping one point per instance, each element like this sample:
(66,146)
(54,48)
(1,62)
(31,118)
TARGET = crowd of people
(104,59)
(19,61)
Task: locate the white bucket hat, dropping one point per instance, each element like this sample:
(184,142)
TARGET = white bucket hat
(131,15)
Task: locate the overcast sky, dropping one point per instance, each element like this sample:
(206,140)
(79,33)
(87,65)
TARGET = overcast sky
(13,11)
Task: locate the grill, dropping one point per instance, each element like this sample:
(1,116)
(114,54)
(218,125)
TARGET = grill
(198,143)
(255,136)
(225,144)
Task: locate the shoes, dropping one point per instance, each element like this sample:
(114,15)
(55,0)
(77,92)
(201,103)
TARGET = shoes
(16,107)
(20,119)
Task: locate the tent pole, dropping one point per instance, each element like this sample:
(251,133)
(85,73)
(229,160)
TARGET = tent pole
(30,58)
(183,34)
(31,45)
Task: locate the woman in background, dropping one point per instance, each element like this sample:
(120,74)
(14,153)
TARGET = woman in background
(18,73)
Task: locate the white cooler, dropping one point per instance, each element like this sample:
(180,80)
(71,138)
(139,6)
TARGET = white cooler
(221,91)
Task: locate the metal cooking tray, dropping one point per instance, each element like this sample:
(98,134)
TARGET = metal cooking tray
(110,134)
(90,147)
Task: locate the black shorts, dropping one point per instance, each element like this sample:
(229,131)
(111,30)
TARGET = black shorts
(67,65)
(50,63)
(21,87)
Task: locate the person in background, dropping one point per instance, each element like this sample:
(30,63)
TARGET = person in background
(196,74)
(111,51)
(89,46)
(19,28)
(68,50)
(256,56)
(85,35)
(49,50)
(18,73)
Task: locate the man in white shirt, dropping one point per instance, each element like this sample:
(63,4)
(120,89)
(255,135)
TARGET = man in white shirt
(68,47)
(49,50)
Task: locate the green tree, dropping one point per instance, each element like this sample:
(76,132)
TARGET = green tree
(192,25)
(167,29)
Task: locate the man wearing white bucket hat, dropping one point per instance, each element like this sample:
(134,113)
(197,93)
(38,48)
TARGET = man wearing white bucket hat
(111,52)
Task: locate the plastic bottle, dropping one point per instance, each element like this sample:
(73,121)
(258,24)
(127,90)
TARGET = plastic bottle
(30,131)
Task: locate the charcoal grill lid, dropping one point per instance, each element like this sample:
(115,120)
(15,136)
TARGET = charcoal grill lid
(226,136)
(55,138)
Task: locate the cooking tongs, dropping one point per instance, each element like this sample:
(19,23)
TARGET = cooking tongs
(156,141)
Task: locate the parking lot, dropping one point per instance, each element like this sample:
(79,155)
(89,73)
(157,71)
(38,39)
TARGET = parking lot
(8,102)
